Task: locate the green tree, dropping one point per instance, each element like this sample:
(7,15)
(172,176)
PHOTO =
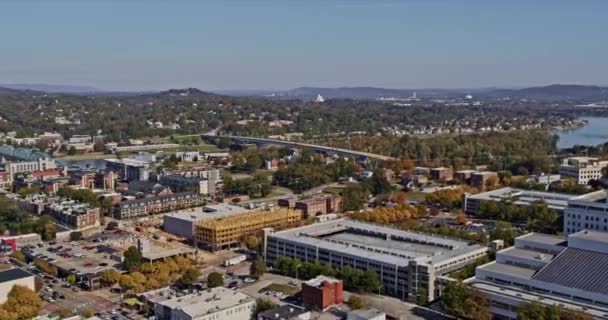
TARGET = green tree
(258,268)
(189,277)
(531,311)
(355,302)
(71,151)
(377,183)
(132,258)
(504,231)
(422,297)
(71,279)
(75,236)
(215,279)
(354,196)
(453,298)
(262,305)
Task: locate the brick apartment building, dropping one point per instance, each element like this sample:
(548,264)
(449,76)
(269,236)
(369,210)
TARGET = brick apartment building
(322,292)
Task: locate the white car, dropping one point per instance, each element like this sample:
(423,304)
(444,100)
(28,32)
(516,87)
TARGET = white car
(249,280)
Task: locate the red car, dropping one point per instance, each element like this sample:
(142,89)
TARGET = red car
(88,264)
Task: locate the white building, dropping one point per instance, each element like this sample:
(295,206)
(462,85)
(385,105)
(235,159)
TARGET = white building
(550,270)
(366,314)
(218,303)
(588,211)
(188,156)
(582,169)
(12,277)
(30,166)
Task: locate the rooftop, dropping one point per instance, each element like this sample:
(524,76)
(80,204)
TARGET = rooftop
(526,197)
(508,269)
(13,274)
(207,212)
(380,243)
(319,280)
(597,236)
(206,302)
(576,268)
(543,238)
(367,313)
(128,161)
(529,254)
(283,312)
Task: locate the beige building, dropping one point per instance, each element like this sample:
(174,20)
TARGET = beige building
(214,304)
(230,231)
(582,169)
(12,277)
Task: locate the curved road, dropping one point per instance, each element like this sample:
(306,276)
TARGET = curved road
(315,147)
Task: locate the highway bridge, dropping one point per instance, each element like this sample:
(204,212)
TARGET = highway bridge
(360,155)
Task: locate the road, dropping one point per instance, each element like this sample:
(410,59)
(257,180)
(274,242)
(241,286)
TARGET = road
(315,147)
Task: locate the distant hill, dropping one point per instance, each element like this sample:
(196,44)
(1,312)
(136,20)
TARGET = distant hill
(553,92)
(51,88)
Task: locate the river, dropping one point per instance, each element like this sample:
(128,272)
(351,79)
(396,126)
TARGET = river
(594,133)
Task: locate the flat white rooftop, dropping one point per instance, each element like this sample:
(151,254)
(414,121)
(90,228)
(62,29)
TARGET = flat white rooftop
(208,301)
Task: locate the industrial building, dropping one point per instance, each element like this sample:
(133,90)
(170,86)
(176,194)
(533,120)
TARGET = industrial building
(558,201)
(229,231)
(405,261)
(568,272)
(182,223)
(588,211)
(12,277)
(213,304)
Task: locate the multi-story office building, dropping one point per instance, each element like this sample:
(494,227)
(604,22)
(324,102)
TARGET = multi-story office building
(582,169)
(218,303)
(405,261)
(550,270)
(158,204)
(229,231)
(129,169)
(588,211)
(41,164)
(471,203)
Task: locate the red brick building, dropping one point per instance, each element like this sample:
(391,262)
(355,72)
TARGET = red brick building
(322,292)
(312,207)
(334,203)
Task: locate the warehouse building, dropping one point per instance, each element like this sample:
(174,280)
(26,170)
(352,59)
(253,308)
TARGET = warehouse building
(405,261)
(551,270)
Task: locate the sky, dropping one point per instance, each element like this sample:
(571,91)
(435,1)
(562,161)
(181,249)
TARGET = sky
(265,44)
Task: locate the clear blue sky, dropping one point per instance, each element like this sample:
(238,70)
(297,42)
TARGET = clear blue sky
(266,44)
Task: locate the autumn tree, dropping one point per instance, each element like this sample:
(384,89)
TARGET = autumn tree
(461,218)
(22,303)
(110,277)
(355,302)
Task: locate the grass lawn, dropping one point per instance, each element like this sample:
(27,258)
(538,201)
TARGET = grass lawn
(416,196)
(333,190)
(284,288)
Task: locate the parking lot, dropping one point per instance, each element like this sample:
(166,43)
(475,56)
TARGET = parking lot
(73,257)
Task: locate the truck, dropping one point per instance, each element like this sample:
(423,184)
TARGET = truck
(235,260)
